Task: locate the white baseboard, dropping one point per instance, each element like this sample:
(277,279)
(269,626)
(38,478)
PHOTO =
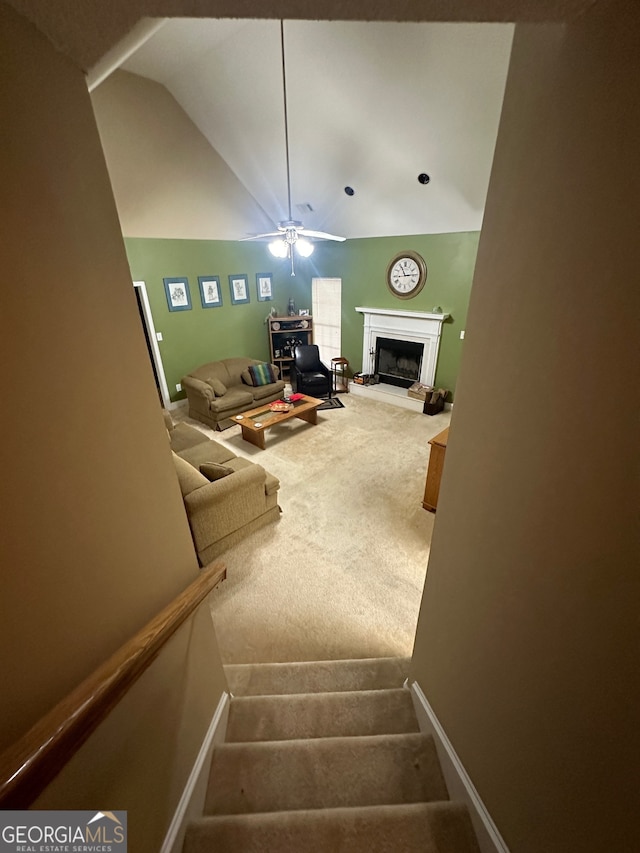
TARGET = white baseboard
(191,805)
(459,784)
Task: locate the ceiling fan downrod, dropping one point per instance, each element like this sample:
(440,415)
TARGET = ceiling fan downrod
(290,234)
(286,118)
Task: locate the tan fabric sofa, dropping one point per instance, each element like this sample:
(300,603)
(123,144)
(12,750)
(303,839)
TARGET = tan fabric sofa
(217,390)
(223,512)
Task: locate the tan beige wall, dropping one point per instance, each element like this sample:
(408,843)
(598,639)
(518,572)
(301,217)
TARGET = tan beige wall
(94,537)
(527,640)
(167,179)
(140,757)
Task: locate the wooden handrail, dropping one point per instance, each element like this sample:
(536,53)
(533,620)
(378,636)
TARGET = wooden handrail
(29,765)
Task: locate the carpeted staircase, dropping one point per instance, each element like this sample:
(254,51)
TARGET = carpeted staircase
(326,756)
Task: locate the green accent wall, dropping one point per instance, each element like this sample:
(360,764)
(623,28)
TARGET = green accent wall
(191,338)
(362,265)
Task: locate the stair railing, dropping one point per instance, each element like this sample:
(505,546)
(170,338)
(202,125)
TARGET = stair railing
(30,764)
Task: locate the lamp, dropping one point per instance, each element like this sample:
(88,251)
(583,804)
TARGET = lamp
(303,247)
(282,246)
(279,248)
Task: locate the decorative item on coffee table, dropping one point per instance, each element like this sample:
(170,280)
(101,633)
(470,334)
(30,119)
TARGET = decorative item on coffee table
(280,406)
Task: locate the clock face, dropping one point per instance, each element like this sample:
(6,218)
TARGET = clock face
(406,274)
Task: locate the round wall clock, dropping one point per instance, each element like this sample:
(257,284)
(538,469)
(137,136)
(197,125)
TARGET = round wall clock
(406,274)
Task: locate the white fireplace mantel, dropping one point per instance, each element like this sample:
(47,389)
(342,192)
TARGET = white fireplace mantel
(413,315)
(418,326)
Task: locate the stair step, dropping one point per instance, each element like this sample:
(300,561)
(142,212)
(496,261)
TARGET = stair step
(316,676)
(415,828)
(324,773)
(313,715)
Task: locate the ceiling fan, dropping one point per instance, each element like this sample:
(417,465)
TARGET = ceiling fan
(291,233)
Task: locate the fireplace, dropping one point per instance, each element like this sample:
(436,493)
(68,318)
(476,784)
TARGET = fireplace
(398,362)
(417,335)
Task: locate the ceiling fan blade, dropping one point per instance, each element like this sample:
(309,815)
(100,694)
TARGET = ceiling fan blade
(320,235)
(262,236)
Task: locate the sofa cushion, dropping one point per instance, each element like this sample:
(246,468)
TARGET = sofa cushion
(212,471)
(259,374)
(183,436)
(210,451)
(212,370)
(236,399)
(188,477)
(218,387)
(267,393)
(271,485)
(235,366)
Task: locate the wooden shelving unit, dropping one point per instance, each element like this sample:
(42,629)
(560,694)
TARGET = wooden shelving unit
(284,334)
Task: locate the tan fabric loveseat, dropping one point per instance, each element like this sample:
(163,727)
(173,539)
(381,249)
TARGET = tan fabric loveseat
(221,389)
(223,512)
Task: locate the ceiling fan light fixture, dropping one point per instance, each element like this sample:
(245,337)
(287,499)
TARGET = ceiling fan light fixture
(303,247)
(279,248)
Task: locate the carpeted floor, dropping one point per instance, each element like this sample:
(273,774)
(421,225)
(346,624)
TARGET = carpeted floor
(341,574)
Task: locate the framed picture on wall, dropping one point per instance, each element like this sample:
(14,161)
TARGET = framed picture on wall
(210,293)
(264,286)
(178,295)
(239,287)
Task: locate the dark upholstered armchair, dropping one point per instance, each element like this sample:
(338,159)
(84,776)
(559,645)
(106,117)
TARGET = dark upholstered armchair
(308,374)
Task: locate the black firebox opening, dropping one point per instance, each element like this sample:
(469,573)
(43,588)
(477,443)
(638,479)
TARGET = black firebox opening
(398,362)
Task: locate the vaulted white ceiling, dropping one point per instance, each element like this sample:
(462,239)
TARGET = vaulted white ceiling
(371,106)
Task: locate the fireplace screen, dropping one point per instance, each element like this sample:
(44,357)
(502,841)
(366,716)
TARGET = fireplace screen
(398,362)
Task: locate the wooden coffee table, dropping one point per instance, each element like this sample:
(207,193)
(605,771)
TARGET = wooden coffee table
(256,422)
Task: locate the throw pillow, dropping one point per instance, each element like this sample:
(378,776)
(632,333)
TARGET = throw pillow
(213,471)
(188,477)
(261,374)
(218,387)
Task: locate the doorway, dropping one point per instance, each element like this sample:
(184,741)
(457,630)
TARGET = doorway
(151,338)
